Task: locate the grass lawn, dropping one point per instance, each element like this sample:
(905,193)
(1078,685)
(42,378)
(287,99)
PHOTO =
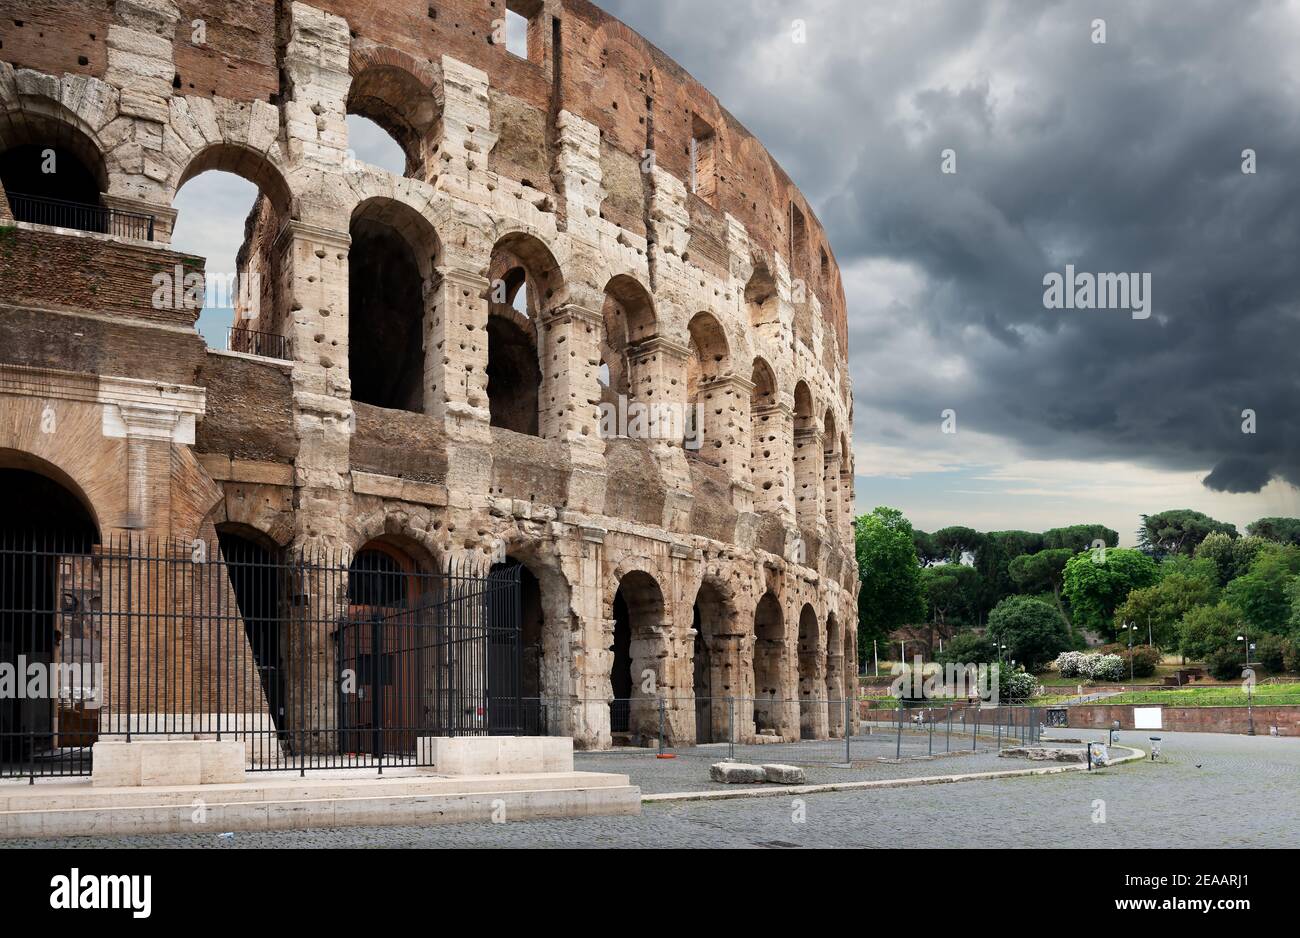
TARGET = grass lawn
(1222,695)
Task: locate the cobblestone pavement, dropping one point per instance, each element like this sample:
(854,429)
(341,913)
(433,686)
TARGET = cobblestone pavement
(1207,790)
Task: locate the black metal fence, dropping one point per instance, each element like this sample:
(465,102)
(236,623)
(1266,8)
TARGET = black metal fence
(803,731)
(312,661)
(266,344)
(39,210)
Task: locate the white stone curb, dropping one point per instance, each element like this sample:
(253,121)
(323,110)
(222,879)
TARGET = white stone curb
(778,791)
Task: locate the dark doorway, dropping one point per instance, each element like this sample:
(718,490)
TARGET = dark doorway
(254,570)
(58,185)
(620,675)
(49,614)
(514,378)
(385,318)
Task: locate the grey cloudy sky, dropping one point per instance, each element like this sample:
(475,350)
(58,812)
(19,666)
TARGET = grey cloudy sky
(1115,157)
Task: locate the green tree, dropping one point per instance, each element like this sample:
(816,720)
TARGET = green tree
(1282,530)
(1263,593)
(951,543)
(967,648)
(1096,583)
(993,560)
(1178,531)
(926,552)
(1163,605)
(1207,629)
(1077,537)
(891,594)
(1030,628)
(951,593)
(1231,556)
(1043,572)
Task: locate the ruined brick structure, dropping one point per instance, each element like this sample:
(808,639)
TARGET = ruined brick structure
(583,225)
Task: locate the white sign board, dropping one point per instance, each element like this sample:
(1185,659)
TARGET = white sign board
(1147,718)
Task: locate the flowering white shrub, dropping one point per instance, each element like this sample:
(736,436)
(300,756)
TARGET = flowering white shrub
(1092,667)
(1072,663)
(1020,686)
(1107,668)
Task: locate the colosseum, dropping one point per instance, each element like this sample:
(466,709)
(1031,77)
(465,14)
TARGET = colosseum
(593,335)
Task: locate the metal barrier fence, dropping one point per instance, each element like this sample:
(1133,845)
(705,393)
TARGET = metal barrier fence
(250,342)
(39,210)
(798,731)
(312,661)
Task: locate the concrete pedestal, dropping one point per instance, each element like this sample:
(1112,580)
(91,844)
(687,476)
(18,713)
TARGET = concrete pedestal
(119,764)
(497,755)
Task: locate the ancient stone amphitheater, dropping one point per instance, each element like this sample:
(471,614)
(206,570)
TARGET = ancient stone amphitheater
(432,368)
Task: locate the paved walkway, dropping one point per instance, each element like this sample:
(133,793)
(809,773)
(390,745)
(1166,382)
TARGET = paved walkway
(1207,790)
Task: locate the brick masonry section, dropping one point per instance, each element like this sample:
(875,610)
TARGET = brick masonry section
(1193,719)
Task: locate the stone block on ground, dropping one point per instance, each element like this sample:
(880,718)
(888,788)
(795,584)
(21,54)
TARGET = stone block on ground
(1043,754)
(784,774)
(737,773)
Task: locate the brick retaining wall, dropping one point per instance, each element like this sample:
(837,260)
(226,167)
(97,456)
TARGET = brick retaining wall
(1192,719)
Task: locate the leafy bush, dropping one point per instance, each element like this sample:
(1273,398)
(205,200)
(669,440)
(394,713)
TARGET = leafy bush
(1015,684)
(1073,663)
(1032,630)
(1225,664)
(1270,652)
(1145,658)
(1108,668)
(1291,655)
(967,648)
(1093,667)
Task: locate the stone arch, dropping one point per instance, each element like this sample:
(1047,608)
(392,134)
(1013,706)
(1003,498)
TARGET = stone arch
(396,93)
(835,664)
(761,298)
(28,139)
(808,457)
(49,591)
(712,411)
(812,676)
(766,458)
(771,707)
(546,636)
(639,613)
(393,525)
(629,319)
(716,655)
(390,264)
(831,464)
(243,161)
(525,287)
(19,461)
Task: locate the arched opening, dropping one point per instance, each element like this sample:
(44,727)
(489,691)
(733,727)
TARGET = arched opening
(254,566)
(532,655)
(387,653)
(634,675)
(834,676)
(629,319)
(709,405)
(765,463)
(389,261)
(761,298)
(846,479)
(50,605)
(812,691)
(53,174)
(230,203)
(525,284)
(393,115)
(770,718)
(831,473)
(807,457)
(713,665)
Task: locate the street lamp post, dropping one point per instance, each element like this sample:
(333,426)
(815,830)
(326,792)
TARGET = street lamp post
(1131,627)
(1244,638)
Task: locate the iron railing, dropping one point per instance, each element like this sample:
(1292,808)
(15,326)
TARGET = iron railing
(58,213)
(312,661)
(266,344)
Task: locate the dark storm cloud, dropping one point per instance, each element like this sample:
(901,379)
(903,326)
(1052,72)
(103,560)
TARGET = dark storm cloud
(1122,157)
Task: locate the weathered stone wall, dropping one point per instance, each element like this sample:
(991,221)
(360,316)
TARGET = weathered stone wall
(572,166)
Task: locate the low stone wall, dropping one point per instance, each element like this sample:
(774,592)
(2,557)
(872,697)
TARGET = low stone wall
(1192,719)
